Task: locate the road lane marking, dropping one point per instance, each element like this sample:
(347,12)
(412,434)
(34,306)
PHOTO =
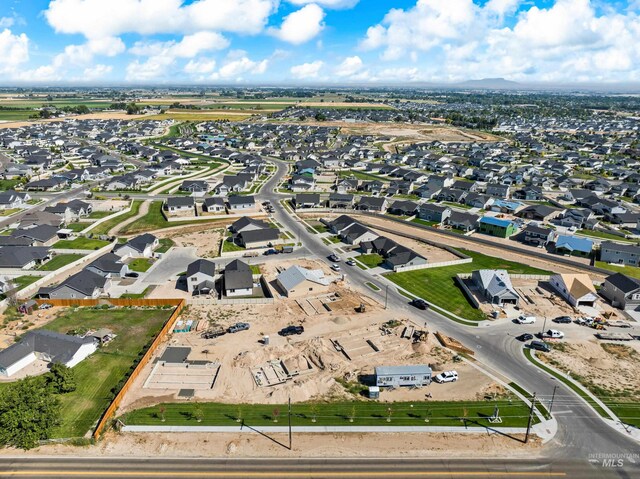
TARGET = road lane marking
(280,474)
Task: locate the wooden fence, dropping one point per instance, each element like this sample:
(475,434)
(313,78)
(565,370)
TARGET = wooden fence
(166,329)
(150,302)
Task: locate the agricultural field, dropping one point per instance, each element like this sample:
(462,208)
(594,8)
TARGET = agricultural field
(437,285)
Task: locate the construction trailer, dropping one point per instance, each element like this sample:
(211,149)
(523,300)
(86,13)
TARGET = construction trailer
(399,376)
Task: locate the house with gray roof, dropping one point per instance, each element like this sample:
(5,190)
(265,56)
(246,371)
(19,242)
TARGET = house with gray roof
(139,247)
(179,203)
(83,285)
(109,265)
(200,276)
(617,253)
(622,291)
(49,346)
(238,279)
(495,285)
(23,257)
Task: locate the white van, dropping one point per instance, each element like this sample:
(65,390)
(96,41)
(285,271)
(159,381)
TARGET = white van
(522,319)
(554,334)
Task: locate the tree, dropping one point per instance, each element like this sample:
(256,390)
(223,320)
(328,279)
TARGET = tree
(320,116)
(132,109)
(276,414)
(28,413)
(61,379)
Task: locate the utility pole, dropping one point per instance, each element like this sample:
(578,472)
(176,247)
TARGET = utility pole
(289,422)
(552,398)
(544,326)
(386,296)
(533,405)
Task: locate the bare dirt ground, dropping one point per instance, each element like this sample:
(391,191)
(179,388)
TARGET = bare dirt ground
(241,353)
(24,322)
(109,205)
(409,133)
(304,445)
(205,240)
(462,242)
(594,360)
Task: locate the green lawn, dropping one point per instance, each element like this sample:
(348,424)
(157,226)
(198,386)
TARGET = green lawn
(604,235)
(424,222)
(22,282)
(104,228)
(364,413)
(370,260)
(8,184)
(140,265)
(16,115)
(165,244)
(632,271)
(98,375)
(228,246)
(77,227)
(58,261)
(361,175)
(80,243)
(154,220)
(437,285)
(319,228)
(97,215)
(146,291)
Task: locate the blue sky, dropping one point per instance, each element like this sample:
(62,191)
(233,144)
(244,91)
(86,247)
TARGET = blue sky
(373,42)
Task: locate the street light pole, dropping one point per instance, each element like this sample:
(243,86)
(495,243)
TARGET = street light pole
(552,398)
(533,405)
(290,439)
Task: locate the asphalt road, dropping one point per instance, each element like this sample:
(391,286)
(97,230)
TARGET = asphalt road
(363,468)
(581,431)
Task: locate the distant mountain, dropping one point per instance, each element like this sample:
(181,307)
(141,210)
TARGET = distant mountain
(489,84)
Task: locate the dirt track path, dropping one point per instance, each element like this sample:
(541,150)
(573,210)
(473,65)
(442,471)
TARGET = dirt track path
(144,209)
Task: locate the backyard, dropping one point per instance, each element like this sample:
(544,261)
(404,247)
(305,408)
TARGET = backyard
(155,220)
(98,375)
(632,271)
(437,285)
(370,260)
(58,261)
(140,265)
(104,228)
(80,243)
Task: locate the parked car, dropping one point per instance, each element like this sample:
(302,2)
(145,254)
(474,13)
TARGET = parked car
(335,258)
(419,303)
(350,262)
(131,274)
(562,320)
(291,330)
(446,377)
(335,267)
(271,251)
(44,306)
(553,334)
(239,327)
(525,337)
(540,346)
(522,319)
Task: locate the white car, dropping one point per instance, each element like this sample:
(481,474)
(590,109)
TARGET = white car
(335,267)
(522,319)
(554,334)
(446,377)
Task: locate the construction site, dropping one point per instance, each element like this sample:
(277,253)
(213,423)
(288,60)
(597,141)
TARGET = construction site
(346,335)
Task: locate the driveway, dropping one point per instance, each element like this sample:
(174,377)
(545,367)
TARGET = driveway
(175,261)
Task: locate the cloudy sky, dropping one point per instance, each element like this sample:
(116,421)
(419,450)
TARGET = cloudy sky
(317,42)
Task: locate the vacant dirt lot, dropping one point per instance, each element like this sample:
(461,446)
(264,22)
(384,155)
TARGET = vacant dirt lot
(321,365)
(204,238)
(304,445)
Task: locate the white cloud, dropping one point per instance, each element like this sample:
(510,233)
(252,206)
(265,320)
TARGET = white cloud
(100,18)
(14,50)
(6,22)
(200,66)
(349,67)
(300,26)
(96,72)
(327,3)
(568,41)
(240,66)
(307,70)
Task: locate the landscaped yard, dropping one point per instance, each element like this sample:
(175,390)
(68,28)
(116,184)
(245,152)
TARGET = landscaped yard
(231,246)
(77,227)
(140,265)
(80,243)
(58,261)
(98,375)
(437,285)
(604,235)
(22,282)
(425,222)
(514,414)
(165,244)
(632,271)
(370,260)
(104,228)
(154,220)
(96,215)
